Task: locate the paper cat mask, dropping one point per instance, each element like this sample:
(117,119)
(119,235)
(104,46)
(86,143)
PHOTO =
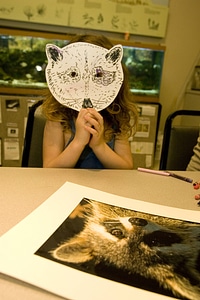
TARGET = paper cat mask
(84,75)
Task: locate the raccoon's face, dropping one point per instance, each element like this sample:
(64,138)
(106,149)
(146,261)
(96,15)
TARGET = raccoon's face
(163,249)
(133,239)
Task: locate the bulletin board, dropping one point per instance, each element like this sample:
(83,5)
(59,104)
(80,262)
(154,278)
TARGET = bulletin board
(144,142)
(13,117)
(138,17)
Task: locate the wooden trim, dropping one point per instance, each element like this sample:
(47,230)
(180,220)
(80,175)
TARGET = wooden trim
(34,33)
(22,91)
(63,36)
(146,98)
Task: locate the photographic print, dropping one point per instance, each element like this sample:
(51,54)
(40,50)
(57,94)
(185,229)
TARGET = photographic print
(147,251)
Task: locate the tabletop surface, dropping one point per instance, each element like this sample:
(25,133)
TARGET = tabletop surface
(24,189)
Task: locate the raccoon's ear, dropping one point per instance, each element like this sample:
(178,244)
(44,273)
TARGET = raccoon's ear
(115,54)
(76,250)
(54,53)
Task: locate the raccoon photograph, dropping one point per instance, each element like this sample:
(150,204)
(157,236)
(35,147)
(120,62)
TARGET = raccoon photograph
(147,251)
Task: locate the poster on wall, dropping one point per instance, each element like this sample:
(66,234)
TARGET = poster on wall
(146,17)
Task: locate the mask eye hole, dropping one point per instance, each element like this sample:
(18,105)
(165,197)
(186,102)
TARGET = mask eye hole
(99,73)
(73,74)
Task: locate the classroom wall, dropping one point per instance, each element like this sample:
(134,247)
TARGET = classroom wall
(182,43)
(182,53)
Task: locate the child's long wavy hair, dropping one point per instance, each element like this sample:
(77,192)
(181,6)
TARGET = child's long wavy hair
(120,117)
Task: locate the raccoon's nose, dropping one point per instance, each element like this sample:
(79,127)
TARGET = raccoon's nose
(138,221)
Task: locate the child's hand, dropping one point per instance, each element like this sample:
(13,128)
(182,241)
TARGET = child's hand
(95,126)
(82,135)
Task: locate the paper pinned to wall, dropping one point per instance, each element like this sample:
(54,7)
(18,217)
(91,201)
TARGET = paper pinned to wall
(143,127)
(145,17)
(142,147)
(146,110)
(11,149)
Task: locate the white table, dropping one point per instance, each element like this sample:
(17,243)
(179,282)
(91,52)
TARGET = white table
(24,189)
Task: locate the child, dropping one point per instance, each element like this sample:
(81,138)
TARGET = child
(96,134)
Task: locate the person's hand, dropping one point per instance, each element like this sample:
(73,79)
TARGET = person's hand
(82,136)
(95,126)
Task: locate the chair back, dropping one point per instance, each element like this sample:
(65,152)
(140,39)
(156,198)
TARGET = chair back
(178,141)
(33,142)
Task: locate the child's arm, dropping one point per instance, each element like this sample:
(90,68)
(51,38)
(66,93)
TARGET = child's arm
(55,155)
(119,158)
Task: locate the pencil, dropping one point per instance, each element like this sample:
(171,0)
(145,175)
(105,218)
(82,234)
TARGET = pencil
(154,171)
(166,173)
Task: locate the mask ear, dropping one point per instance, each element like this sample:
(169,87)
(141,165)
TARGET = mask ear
(115,54)
(54,53)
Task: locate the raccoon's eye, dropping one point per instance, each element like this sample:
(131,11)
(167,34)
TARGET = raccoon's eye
(115,228)
(117,232)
